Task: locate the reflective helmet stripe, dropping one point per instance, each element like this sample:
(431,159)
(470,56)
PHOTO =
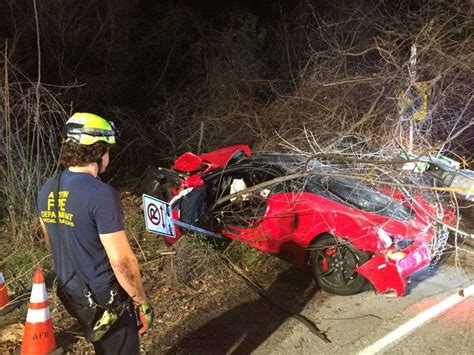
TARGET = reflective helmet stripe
(87,128)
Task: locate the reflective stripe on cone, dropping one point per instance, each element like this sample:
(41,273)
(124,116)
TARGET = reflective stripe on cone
(38,337)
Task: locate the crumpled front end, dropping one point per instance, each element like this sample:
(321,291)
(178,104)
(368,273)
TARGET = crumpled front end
(389,271)
(408,250)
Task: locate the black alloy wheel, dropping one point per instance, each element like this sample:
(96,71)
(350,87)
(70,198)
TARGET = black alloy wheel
(333,262)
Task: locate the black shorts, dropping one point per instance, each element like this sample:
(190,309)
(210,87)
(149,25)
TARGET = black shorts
(122,338)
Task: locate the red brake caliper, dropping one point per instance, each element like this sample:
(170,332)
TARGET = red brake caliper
(329,252)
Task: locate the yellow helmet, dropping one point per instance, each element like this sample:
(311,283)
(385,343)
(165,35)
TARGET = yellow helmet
(86,129)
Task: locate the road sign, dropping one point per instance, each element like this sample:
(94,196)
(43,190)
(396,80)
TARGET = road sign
(413,103)
(158,217)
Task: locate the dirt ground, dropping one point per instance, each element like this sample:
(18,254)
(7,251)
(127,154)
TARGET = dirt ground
(189,285)
(188,316)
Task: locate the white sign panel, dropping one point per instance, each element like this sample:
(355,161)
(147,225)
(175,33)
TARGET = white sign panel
(158,217)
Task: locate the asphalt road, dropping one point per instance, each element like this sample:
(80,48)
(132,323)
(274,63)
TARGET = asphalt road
(355,323)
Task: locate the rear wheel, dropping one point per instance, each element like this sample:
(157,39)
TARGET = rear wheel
(333,262)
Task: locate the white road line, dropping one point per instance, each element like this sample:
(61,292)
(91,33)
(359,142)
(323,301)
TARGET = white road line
(418,321)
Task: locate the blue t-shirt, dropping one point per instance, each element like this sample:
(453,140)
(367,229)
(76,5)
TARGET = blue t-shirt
(86,208)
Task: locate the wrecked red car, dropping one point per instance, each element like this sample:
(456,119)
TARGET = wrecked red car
(349,234)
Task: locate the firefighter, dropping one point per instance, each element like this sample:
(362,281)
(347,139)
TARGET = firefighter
(81,217)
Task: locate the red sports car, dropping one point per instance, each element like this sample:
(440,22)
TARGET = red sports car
(348,233)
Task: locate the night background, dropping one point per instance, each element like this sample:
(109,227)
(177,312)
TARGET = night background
(331,76)
(170,72)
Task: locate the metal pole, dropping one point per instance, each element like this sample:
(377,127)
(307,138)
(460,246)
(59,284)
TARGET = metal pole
(197,229)
(412,83)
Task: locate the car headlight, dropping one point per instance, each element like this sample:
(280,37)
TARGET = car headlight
(396,252)
(397,255)
(384,237)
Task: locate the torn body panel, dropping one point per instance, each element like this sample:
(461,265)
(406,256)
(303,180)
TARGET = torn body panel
(297,218)
(303,216)
(389,273)
(205,163)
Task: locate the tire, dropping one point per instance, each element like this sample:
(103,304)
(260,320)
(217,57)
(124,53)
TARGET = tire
(333,262)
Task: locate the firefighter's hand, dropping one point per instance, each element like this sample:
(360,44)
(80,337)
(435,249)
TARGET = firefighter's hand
(145,316)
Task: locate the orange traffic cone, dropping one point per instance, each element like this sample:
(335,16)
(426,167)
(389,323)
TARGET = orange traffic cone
(38,337)
(3,292)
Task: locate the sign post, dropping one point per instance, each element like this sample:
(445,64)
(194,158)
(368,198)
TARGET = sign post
(159,219)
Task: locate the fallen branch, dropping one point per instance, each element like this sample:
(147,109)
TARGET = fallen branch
(258,186)
(454,136)
(312,327)
(168,253)
(354,177)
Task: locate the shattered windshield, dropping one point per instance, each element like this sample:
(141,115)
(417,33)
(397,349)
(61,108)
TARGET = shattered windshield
(363,197)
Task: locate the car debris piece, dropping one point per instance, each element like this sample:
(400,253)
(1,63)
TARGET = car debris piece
(446,170)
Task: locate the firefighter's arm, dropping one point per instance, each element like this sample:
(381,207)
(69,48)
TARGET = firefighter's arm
(125,264)
(45,232)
